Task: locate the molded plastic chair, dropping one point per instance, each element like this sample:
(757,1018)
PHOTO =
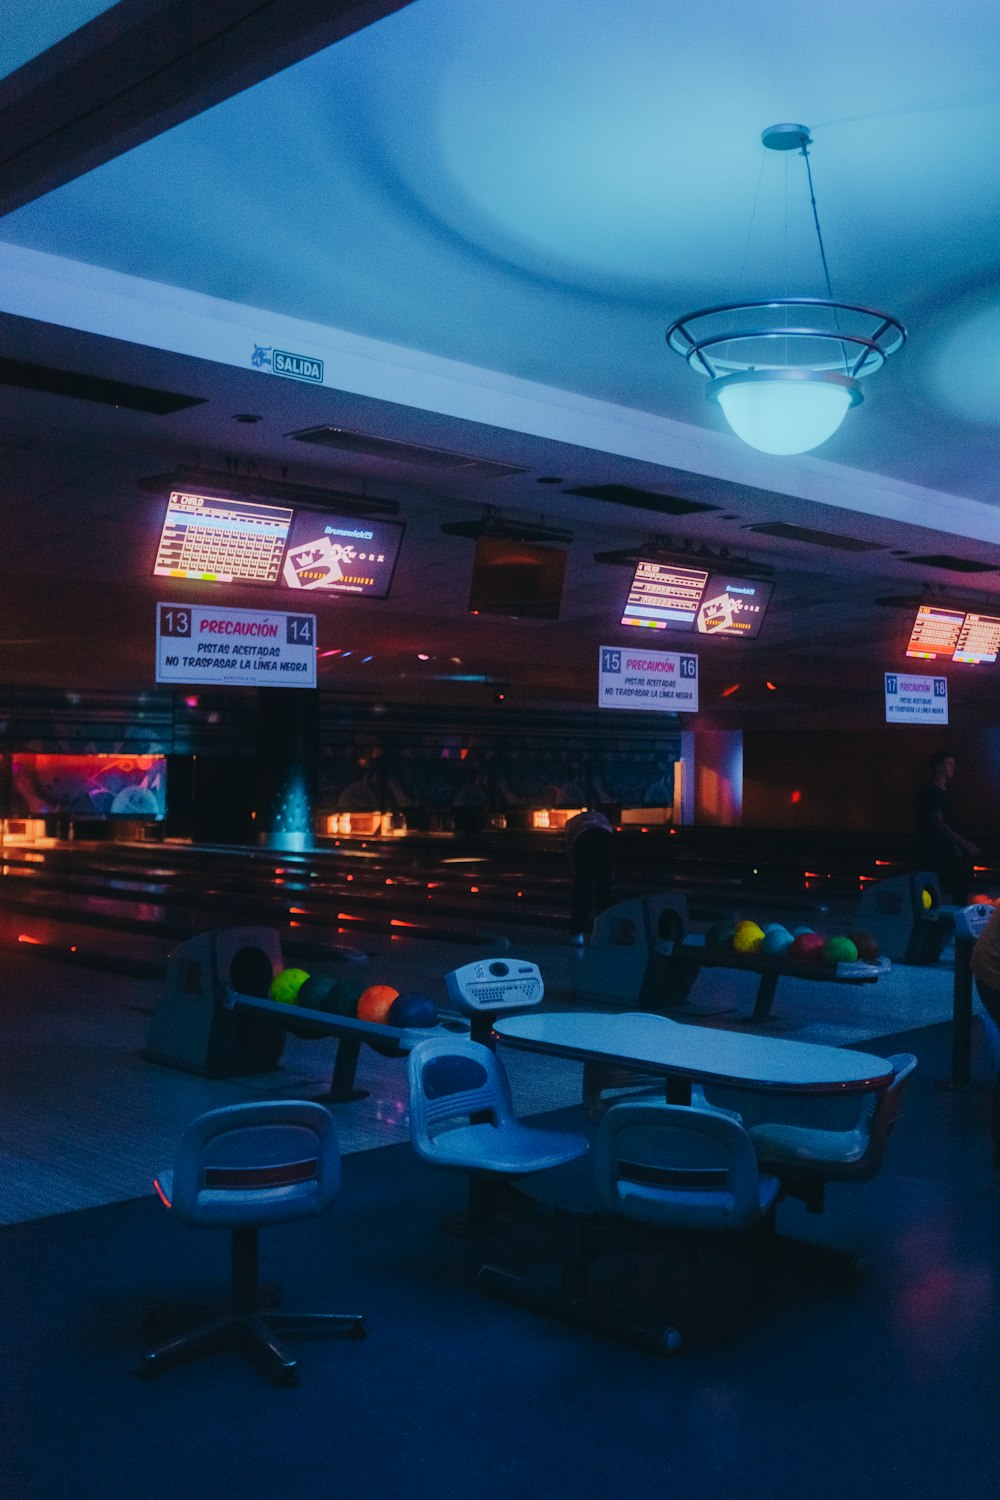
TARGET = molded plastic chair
(240,1168)
(648,1168)
(462,1119)
(806,1158)
(660,1171)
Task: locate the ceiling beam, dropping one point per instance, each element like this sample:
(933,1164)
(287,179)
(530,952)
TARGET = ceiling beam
(142,67)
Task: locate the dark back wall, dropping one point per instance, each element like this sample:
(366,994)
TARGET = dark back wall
(867,780)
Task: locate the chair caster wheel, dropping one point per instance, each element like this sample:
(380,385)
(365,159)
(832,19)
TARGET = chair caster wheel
(359,1331)
(670,1340)
(148,1369)
(288,1378)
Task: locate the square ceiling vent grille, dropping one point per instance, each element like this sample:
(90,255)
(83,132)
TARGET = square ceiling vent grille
(951,564)
(787,533)
(402,453)
(53,382)
(625,494)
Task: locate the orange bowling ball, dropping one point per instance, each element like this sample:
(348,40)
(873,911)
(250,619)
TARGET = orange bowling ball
(375,1003)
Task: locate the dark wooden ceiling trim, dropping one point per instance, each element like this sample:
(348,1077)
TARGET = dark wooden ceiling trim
(142,67)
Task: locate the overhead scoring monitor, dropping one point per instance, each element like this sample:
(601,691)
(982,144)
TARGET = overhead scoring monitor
(217,539)
(666,596)
(940,634)
(733,606)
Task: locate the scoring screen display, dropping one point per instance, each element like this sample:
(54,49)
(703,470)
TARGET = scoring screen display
(664,596)
(954,635)
(218,540)
(732,606)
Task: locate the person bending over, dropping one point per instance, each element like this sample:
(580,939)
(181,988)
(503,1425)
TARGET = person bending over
(591,841)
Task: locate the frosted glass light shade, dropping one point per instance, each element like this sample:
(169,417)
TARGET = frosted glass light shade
(785,411)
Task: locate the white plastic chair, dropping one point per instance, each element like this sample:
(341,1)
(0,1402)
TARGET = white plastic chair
(462,1119)
(240,1168)
(806,1158)
(660,1172)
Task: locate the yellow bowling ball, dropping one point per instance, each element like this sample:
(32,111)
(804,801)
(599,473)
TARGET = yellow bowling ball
(747,938)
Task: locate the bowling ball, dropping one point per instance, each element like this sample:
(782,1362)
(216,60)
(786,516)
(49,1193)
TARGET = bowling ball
(808,947)
(926,899)
(868,949)
(321,990)
(777,939)
(747,937)
(840,950)
(375,1003)
(411,1008)
(349,991)
(719,935)
(286,984)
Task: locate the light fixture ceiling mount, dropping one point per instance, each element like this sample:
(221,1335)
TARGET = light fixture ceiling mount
(786,370)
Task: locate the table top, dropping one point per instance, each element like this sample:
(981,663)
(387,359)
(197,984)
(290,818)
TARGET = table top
(708,1054)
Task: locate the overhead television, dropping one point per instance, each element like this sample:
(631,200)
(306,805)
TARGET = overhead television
(517,579)
(668,596)
(218,539)
(733,606)
(945,634)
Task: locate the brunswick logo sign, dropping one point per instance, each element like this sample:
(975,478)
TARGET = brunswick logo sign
(282,362)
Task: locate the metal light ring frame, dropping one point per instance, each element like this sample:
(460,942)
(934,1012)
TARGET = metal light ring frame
(684,342)
(855,307)
(721,383)
(872,357)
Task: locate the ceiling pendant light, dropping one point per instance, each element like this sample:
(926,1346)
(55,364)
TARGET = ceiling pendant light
(786,371)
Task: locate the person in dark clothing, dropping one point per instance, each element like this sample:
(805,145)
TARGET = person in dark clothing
(591,841)
(941,847)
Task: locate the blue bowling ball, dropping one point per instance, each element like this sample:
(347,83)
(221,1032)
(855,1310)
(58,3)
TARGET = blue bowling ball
(777,939)
(412,1008)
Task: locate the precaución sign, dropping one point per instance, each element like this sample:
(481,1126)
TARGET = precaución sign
(657,681)
(915,700)
(243,647)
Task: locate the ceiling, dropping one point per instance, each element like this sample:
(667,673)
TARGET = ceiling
(481,220)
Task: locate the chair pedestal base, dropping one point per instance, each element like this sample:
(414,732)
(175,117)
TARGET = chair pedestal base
(538,1297)
(254,1334)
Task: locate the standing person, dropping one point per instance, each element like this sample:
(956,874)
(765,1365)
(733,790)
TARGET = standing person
(942,848)
(985,965)
(591,841)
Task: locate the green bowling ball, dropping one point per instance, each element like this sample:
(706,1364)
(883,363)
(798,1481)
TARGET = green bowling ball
(840,950)
(720,935)
(321,990)
(286,984)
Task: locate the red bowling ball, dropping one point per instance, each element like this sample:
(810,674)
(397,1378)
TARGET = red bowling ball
(808,947)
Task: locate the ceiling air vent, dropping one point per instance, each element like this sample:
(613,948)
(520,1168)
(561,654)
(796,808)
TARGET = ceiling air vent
(402,453)
(258,487)
(509,531)
(29,377)
(624,494)
(788,533)
(952,564)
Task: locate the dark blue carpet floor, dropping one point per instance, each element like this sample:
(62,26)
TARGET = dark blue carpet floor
(789,1385)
